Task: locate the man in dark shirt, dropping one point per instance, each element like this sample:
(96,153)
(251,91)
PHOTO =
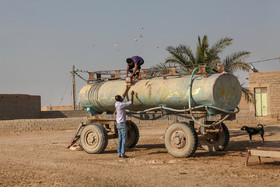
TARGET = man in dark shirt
(134,62)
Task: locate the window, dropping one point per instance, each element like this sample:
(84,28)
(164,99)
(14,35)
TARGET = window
(261,101)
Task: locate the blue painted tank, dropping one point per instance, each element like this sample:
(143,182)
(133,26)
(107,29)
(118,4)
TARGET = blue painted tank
(218,90)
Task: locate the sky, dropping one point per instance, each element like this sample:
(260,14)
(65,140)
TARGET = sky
(41,40)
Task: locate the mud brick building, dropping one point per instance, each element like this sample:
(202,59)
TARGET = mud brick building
(19,106)
(266,89)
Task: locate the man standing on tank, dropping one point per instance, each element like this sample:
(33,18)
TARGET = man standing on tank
(121,121)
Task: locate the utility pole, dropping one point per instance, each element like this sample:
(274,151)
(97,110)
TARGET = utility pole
(74,87)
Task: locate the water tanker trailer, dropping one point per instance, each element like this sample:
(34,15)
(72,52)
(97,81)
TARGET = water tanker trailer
(203,102)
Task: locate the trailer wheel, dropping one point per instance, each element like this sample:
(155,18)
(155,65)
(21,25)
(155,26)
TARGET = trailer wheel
(181,140)
(215,141)
(132,136)
(94,138)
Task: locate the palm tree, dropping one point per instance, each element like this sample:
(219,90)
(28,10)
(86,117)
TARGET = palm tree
(183,55)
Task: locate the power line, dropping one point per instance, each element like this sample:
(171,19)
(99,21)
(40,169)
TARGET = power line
(270,59)
(65,89)
(80,76)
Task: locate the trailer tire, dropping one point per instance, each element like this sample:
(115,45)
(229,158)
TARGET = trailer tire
(94,138)
(216,141)
(181,140)
(132,136)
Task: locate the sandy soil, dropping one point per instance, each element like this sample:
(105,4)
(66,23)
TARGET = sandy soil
(41,159)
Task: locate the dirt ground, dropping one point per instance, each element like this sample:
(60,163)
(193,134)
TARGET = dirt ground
(41,159)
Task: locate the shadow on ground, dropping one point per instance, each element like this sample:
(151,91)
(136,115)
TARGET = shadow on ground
(233,145)
(243,145)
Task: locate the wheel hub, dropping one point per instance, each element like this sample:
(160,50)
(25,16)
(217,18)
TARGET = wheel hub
(91,138)
(178,139)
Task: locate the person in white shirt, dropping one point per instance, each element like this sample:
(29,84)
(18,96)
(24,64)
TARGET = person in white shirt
(121,121)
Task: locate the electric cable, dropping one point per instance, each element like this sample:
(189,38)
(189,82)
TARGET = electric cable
(65,89)
(265,60)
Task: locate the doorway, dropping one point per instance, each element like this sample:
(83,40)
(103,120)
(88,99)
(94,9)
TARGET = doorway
(261,101)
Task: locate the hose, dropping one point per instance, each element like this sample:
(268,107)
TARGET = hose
(190,105)
(190,109)
(181,110)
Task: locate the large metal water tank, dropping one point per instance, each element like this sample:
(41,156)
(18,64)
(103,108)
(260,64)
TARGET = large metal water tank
(221,90)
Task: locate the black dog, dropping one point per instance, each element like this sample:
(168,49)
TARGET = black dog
(251,131)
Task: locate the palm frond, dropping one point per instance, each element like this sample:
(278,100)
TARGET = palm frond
(243,66)
(158,69)
(236,62)
(189,55)
(219,46)
(249,97)
(202,50)
(176,56)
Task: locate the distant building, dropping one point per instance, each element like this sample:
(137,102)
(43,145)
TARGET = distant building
(19,106)
(266,110)
(60,108)
(266,89)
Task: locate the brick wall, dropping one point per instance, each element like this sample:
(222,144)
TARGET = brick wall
(19,106)
(270,80)
(60,108)
(29,125)
(63,114)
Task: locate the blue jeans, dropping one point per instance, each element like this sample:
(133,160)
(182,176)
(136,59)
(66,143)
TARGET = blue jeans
(122,131)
